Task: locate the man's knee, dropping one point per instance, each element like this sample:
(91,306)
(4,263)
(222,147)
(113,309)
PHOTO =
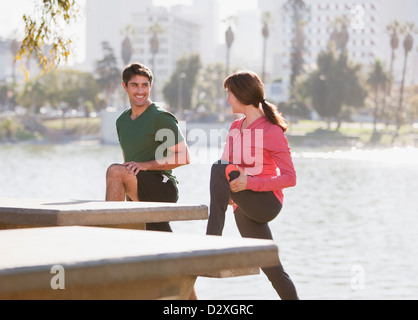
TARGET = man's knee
(115,171)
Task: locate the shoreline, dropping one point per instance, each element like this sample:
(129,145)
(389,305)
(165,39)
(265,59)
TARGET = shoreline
(295,142)
(305,133)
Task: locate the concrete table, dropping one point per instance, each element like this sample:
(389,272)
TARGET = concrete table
(23,213)
(105,263)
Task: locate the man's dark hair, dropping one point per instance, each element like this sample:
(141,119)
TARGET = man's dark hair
(137,69)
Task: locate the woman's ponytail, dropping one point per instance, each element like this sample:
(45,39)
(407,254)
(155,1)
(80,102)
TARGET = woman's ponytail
(273,115)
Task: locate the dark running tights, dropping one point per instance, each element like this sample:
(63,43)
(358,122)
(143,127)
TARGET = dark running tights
(255,210)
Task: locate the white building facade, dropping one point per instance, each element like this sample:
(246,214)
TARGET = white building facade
(107,20)
(368,39)
(364,28)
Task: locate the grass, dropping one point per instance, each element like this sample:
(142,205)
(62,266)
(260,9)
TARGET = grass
(75,126)
(352,133)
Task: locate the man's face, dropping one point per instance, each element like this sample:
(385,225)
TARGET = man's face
(138,89)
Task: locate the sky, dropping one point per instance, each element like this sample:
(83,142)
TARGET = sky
(11,13)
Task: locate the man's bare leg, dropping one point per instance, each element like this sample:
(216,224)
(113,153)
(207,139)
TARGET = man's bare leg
(119,183)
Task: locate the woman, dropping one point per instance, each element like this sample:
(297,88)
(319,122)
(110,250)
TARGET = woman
(246,176)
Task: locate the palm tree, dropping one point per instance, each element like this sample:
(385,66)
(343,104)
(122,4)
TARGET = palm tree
(229,39)
(393,29)
(297,9)
(128,31)
(378,80)
(340,34)
(155,29)
(266,20)
(408,43)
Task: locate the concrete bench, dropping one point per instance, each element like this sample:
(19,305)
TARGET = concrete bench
(107,263)
(23,213)
(17,213)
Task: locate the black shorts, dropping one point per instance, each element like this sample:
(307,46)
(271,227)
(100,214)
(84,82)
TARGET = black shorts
(156,187)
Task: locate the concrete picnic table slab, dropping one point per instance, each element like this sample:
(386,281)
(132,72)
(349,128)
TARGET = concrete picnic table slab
(106,263)
(21,212)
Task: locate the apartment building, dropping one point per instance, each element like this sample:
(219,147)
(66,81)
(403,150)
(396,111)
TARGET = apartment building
(368,39)
(364,29)
(107,20)
(177,37)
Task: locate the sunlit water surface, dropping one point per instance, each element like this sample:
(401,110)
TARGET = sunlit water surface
(348,230)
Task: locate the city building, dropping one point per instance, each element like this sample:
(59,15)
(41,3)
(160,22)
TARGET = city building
(177,37)
(205,15)
(247,49)
(364,29)
(368,39)
(108,20)
(105,21)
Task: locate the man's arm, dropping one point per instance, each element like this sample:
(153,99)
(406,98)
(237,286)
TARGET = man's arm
(178,156)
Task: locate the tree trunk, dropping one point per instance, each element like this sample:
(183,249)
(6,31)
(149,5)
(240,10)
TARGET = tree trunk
(400,107)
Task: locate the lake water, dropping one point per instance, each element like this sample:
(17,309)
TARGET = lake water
(348,230)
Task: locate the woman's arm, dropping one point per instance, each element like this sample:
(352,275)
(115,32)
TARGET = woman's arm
(286,179)
(275,143)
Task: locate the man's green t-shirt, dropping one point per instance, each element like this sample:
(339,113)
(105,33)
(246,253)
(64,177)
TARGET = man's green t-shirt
(148,136)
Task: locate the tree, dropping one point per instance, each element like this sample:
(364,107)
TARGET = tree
(266,20)
(209,87)
(412,100)
(393,29)
(155,29)
(66,88)
(178,91)
(408,43)
(126,53)
(44,37)
(107,72)
(229,40)
(378,80)
(335,83)
(33,96)
(297,9)
(78,87)
(7,96)
(340,34)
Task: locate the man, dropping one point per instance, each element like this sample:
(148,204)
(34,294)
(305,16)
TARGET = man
(152,146)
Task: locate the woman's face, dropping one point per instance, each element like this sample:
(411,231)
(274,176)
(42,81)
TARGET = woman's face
(237,106)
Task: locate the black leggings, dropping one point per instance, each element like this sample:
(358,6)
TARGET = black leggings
(152,188)
(255,210)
